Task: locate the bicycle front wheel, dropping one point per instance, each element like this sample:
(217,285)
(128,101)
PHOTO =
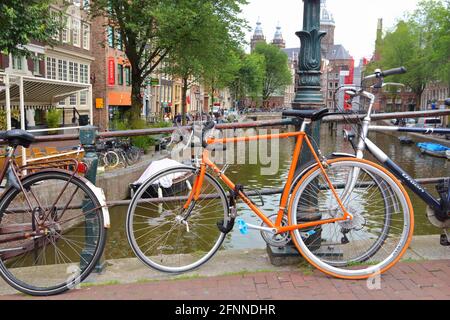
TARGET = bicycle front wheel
(166,236)
(377,236)
(51,235)
(111,159)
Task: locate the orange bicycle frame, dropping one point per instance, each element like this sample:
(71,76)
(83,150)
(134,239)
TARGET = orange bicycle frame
(301,137)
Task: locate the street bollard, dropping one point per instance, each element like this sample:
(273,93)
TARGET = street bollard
(88,137)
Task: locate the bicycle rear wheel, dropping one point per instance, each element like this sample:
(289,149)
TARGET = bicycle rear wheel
(52,235)
(377,236)
(165,236)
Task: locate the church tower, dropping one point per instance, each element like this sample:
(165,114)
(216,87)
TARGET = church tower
(278,39)
(328,25)
(258,36)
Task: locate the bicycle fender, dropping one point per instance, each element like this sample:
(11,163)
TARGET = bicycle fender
(102,199)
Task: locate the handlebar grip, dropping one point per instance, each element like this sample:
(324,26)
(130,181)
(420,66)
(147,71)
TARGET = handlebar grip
(392,72)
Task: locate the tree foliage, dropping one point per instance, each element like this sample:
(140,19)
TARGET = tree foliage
(276,72)
(421,43)
(207,42)
(155,29)
(250,77)
(24,20)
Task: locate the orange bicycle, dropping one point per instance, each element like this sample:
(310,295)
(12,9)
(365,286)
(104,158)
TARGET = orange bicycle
(348,217)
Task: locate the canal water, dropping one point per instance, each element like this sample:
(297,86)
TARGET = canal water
(256,170)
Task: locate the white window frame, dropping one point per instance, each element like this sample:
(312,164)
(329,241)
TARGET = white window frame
(75,96)
(55,15)
(76,32)
(86,36)
(76,74)
(51,68)
(70,69)
(66,30)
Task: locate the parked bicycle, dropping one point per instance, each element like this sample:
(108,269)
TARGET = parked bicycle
(347,216)
(52,223)
(114,152)
(438,209)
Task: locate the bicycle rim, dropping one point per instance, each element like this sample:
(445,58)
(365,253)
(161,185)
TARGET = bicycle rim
(71,241)
(373,241)
(155,226)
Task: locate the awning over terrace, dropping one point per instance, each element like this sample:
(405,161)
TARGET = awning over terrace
(38,90)
(35,92)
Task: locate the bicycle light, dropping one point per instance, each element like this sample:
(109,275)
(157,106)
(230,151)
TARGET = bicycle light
(82,167)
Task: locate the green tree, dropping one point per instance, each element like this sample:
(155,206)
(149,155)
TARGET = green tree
(432,20)
(151,30)
(250,78)
(277,75)
(204,32)
(421,43)
(24,20)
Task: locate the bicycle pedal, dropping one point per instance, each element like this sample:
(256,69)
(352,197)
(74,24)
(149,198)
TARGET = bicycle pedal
(242,225)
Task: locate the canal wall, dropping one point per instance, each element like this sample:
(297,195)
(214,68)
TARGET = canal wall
(116,183)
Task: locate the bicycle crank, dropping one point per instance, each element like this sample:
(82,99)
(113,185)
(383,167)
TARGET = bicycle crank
(274,239)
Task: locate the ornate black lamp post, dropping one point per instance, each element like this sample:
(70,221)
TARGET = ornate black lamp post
(308,88)
(308,96)
(308,93)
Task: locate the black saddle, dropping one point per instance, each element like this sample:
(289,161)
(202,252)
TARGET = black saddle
(17,138)
(314,115)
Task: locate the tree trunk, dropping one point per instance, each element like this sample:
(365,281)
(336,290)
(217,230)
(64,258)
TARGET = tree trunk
(136,101)
(184,101)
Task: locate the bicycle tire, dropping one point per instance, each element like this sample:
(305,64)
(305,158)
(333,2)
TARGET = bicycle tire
(374,262)
(167,244)
(63,235)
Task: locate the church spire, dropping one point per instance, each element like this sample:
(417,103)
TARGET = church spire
(258,35)
(278,38)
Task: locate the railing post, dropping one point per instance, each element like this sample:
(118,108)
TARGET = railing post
(88,137)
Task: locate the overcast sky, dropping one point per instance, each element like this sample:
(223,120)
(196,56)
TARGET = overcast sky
(356,20)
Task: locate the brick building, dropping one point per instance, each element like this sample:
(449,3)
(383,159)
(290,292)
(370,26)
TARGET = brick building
(65,64)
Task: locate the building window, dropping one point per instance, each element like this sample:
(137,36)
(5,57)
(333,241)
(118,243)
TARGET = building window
(75,72)
(71,71)
(86,36)
(110,37)
(36,65)
(51,68)
(60,69)
(17,62)
(119,43)
(76,31)
(120,74)
(83,98)
(127,76)
(66,30)
(84,71)
(73,100)
(55,17)
(64,70)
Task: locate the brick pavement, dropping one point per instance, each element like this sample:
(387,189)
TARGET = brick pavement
(426,280)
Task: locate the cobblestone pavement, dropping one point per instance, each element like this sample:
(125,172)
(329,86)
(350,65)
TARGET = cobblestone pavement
(426,280)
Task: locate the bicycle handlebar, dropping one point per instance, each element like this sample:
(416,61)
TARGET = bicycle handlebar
(381,74)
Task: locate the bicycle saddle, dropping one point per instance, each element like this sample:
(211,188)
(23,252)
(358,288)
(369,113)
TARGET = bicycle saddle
(17,137)
(314,115)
